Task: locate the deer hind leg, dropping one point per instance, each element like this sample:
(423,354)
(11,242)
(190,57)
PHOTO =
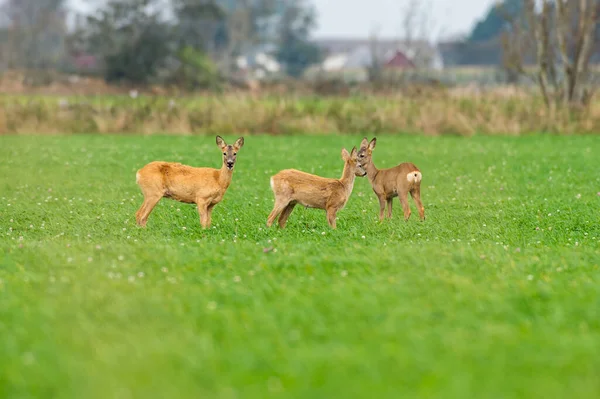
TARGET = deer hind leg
(403,196)
(278,207)
(415,193)
(285,214)
(150,201)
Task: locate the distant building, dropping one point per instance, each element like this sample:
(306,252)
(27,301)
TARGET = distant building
(399,61)
(362,53)
(356,56)
(258,63)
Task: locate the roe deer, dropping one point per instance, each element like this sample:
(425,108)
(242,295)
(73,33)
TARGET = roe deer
(393,182)
(204,187)
(292,187)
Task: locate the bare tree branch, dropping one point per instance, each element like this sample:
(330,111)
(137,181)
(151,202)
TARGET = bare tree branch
(564,35)
(419,28)
(516,43)
(539,25)
(587,20)
(562,29)
(375,67)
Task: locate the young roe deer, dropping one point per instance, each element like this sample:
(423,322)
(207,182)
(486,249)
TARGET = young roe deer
(204,187)
(292,187)
(398,181)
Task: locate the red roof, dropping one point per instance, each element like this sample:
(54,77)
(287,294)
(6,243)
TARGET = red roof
(400,61)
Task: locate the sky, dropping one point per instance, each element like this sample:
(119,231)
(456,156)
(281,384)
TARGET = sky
(359,18)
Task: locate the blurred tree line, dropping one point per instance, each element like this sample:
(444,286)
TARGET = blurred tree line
(194,43)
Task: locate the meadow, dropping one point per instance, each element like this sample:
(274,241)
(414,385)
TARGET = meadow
(495,295)
(429,111)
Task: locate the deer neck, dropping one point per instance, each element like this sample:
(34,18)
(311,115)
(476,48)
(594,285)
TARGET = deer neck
(225,175)
(348,177)
(371,171)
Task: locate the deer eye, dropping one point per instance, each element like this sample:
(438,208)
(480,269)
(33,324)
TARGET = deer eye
(235,153)
(224,153)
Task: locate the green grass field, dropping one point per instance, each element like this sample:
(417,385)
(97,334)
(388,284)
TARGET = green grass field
(495,295)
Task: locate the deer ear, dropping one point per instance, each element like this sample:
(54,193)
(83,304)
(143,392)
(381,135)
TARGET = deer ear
(345,155)
(239,143)
(364,143)
(220,142)
(372,144)
(353,153)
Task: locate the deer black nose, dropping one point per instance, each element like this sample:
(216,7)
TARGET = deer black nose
(229,163)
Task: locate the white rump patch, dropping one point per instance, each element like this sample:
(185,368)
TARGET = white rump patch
(414,177)
(137,177)
(272,184)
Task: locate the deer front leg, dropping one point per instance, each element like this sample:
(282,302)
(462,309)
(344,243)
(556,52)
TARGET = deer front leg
(403,196)
(381,206)
(203,212)
(331,214)
(389,207)
(209,210)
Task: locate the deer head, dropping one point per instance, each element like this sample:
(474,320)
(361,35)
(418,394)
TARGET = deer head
(352,160)
(365,151)
(230,151)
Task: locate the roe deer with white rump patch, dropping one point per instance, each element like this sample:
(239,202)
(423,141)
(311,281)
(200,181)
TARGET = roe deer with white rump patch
(291,187)
(204,187)
(398,181)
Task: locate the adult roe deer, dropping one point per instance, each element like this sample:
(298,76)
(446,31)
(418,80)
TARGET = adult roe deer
(202,186)
(398,181)
(291,187)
